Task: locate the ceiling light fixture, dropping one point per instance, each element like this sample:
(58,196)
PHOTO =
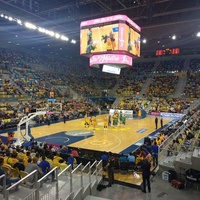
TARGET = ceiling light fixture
(40,29)
(173,37)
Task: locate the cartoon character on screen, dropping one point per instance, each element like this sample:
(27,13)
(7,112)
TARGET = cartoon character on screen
(109,40)
(129,48)
(90,45)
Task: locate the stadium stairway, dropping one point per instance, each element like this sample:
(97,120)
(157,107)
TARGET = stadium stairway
(182,161)
(182,80)
(149,80)
(69,183)
(112,92)
(62,89)
(145,86)
(180,86)
(186,65)
(185,156)
(116,103)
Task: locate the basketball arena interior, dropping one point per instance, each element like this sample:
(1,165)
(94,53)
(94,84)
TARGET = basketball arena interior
(90,90)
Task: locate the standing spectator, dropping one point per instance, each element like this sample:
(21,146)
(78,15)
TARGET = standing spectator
(104,159)
(109,120)
(71,161)
(155,150)
(161,122)
(48,120)
(45,167)
(110,167)
(156,122)
(64,118)
(146,166)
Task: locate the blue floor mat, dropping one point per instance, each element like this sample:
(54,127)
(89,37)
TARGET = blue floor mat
(130,149)
(61,139)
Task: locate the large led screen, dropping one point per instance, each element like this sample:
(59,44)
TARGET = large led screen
(132,41)
(99,39)
(113,37)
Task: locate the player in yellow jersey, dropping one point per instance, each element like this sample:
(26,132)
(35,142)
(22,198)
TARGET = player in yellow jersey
(94,122)
(87,121)
(109,40)
(105,123)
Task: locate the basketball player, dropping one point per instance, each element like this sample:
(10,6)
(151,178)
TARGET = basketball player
(105,123)
(115,119)
(120,118)
(123,119)
(89,36)
(90,45)
(129,48)
(94,122)
(109,40)
(87,121)
(109,120)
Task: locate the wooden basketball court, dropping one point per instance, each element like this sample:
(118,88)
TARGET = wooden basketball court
(115,139)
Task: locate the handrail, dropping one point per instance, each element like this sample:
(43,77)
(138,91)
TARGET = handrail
(21,180)
(76,168)
(17,183)
(94,163)
(100,162)
(181,128)
(3,176)
(86,166)
(66,168)
(164,146)
(47,174)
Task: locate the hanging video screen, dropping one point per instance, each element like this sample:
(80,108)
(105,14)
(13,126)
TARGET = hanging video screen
(99,39)
(107,38)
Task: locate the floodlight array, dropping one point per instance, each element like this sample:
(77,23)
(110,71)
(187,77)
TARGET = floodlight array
(38,28)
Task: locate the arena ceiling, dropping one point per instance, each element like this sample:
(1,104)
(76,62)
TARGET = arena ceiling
(159,20)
